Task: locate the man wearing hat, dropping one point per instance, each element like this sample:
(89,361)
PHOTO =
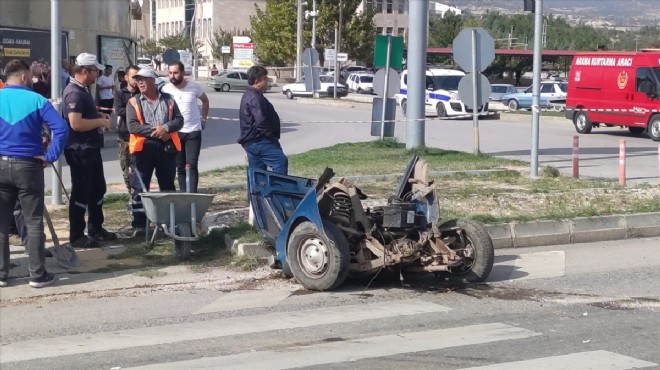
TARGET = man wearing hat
(83,154)
(153,120)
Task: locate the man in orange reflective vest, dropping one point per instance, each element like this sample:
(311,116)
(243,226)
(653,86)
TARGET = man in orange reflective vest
(153,121)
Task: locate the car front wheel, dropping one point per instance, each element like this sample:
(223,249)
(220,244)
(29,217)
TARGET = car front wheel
(582,122)
(289,94)
(513,104)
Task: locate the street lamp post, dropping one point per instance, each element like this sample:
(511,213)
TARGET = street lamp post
(299,32)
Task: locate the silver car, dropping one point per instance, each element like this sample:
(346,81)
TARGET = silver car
(230,80)
(497,91)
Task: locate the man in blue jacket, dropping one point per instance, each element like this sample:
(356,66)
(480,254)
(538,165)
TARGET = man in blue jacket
(22,161)
(260,125)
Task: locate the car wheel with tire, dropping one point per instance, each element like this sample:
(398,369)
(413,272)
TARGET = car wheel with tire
(475,247)
(654,128)
(582,122)
(513,104)
(225,87)
(440,110)
(404,107)
(289,94)
(318,260)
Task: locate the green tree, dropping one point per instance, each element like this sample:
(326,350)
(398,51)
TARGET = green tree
(178,42)
(443,30)
(274,32)
(151,48)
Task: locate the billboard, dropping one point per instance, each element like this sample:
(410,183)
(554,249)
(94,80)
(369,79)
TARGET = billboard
(119,52)
(28,45)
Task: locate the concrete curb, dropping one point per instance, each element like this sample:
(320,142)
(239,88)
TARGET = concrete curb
(577,230)
(540,233)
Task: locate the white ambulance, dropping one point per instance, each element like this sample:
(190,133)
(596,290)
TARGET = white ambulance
(441,93)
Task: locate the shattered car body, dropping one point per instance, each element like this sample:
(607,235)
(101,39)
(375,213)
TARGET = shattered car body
(321,232)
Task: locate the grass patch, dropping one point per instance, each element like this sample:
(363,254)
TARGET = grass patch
(371,158)
(244,233)
(245,262)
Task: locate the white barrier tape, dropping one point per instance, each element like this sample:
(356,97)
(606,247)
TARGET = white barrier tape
(397,120)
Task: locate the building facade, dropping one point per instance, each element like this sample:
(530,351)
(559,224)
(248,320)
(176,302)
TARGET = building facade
(97,27)
(162,18)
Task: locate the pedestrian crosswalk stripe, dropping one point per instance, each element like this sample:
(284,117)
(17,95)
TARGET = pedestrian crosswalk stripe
(244,299)
(121,339)
(583,360)
(354,349)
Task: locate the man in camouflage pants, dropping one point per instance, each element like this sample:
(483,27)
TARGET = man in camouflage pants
(121,100)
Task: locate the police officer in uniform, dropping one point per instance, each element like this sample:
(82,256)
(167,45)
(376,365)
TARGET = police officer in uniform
(153,120)
(83,154)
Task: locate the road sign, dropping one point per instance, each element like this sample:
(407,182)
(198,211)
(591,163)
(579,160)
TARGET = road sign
(226,50)
(393,85)
(310,59)
(342,57)
(465,91)
(383,124)
(463,49)
(329,54)
(170,56)
(396,52)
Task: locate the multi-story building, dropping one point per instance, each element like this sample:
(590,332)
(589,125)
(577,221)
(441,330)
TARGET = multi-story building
(170,17)
(98,27)
(391,16)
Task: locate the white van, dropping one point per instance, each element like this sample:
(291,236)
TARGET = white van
(441,93)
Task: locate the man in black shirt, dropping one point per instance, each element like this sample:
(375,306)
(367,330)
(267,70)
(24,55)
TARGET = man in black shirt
(260,125)
(128,91)
(83,154)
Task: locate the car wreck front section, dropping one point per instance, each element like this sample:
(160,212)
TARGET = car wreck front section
(322,233)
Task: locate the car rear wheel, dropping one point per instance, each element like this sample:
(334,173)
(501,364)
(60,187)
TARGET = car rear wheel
(404,107)
(225,87)
(289,94)
(582,123)
(654,128)
(513,104)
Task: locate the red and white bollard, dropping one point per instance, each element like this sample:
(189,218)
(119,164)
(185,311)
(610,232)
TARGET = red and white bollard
(622,162)
(576,157)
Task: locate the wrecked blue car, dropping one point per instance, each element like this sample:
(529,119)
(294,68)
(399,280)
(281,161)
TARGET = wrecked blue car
(322,233)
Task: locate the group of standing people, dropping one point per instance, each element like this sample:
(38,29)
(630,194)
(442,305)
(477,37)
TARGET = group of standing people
(159,130)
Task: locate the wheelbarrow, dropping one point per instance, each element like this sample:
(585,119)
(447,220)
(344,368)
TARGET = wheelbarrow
(178,215)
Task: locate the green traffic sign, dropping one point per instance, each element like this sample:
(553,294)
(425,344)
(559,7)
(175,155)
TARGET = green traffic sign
(396,52)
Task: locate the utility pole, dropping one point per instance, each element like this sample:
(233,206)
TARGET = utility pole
(55,89)
(341,20)
(299,45)
(313,15)
(536,87)
(418,20)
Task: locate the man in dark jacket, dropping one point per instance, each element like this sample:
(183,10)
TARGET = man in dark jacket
(260,125)
(127,91)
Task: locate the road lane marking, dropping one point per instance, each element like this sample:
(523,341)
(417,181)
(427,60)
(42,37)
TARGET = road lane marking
(245,299)
(354,349)
(122,339)
(600,360)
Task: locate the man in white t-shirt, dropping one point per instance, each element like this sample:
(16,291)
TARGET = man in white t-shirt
(105,85)
(186,94)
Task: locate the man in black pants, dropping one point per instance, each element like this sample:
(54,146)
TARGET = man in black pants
(83,154)
(153,121)
(122,96)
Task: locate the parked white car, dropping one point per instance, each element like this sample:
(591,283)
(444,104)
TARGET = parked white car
(327,88)
(144,62)
(361,83)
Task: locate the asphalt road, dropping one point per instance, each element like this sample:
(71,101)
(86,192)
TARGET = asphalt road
(595,306)
(307,126)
